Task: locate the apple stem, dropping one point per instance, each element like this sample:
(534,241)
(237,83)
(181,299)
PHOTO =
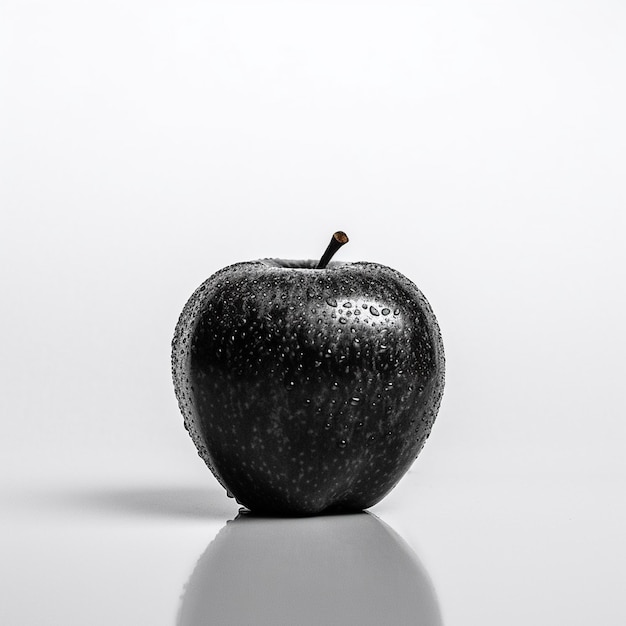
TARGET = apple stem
(337,240)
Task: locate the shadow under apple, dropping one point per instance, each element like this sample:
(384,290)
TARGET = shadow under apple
(338,569)
(145,501)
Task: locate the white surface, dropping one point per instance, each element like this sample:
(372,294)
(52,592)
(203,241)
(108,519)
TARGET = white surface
(477,148)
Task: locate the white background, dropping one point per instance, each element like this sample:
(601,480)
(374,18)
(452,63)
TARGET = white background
(477,147)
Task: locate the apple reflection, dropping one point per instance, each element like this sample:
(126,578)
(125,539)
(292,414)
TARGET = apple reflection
(340,569)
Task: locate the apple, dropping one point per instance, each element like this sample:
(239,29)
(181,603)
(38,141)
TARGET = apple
(308,387)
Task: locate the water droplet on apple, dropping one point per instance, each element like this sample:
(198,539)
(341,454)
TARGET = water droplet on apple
(396,312)
(327,425)
(347,305)
(331,302)
(343,320)
(342,443)
(354,401)
(385,311)
(374,310)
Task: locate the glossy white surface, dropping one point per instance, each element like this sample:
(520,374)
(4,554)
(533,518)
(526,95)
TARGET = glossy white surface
(481,546)
(477,148)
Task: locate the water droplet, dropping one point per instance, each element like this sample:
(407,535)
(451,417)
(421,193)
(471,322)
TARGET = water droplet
(327,425)
(354,401)
(331,302)
(342,443)
(374,310)
(347,305)
(343,320)
(396,312)
(385,311)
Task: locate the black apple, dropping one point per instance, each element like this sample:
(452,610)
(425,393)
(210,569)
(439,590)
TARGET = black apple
(308,387)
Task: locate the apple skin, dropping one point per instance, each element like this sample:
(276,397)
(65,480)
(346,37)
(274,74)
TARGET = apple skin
(308,391)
